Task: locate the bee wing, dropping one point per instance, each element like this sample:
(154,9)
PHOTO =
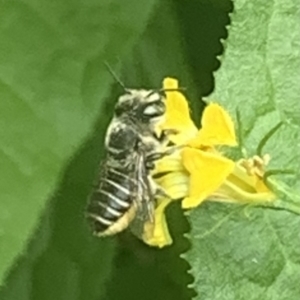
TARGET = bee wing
(143,198)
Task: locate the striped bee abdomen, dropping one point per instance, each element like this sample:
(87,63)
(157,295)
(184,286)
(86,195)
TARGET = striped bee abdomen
(110,201)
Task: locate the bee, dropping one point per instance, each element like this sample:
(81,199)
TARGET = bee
(125,192)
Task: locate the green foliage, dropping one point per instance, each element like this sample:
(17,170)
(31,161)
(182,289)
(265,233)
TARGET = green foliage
(52,83)
(238,254)
(254,253)
(63,260)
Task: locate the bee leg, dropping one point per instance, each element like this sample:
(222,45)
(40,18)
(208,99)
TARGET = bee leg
(164,136)
(159,155)
(150,165)
(157,190)
(173,149)
(155,156)
(161,193)
(150,160)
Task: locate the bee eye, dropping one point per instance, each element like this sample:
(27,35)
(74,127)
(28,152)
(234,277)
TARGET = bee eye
(150,110)
(154,109)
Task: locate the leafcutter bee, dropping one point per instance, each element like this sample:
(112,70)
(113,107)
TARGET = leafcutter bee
(125,192)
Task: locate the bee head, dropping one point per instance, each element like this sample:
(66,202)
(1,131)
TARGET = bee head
(145,106)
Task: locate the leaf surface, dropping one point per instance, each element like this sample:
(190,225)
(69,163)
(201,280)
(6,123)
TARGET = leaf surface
(253,253)
(52,83)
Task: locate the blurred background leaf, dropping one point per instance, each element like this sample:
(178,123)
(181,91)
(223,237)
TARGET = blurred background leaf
(254,253)
(63,259)
(52,83)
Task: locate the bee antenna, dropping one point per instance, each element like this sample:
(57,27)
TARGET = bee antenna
(173,90)
(166,90)
(114,75)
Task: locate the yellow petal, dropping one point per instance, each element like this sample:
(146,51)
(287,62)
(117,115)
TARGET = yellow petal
(245,184)
(177,114)
(249,178)
(207,172)
(217,128)
(157,234)
(169,163)
(175,184)
(170,174)
(261,187)
(232,193)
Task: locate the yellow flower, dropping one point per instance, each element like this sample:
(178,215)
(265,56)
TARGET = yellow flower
(199,171)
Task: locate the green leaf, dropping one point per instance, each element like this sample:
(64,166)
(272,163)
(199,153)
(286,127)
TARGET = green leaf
(52,82)
(254,253)
(239,255)
(63,260)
